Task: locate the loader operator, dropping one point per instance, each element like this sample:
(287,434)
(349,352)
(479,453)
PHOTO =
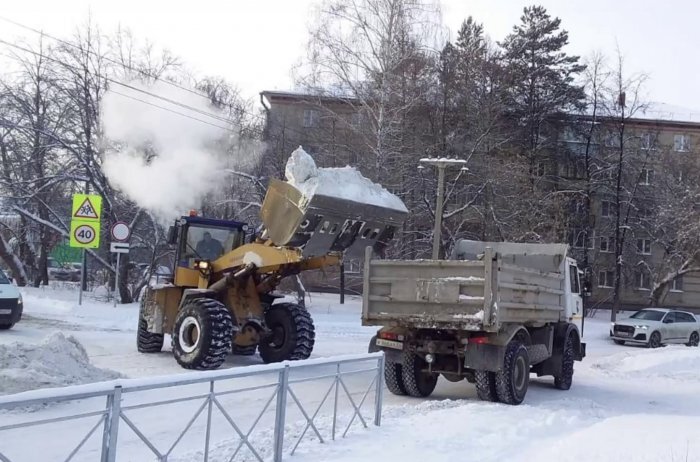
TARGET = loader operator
(209,248)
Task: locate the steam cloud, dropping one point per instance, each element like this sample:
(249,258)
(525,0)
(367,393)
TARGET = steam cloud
(164,161)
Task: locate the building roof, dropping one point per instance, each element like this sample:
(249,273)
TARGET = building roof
(654,112)
(302,96)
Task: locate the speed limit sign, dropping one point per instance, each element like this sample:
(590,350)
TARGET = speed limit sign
(85,234)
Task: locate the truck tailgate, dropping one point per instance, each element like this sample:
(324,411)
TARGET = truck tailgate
(428,293)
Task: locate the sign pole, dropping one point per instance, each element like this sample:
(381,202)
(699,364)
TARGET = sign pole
(116,281)
(82,280)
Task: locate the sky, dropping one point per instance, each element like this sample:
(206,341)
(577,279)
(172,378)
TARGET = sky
(256,43)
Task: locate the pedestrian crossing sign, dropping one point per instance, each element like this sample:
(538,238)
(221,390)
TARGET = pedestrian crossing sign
(86,207)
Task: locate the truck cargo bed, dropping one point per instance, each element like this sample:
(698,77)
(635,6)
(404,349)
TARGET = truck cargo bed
(477,294)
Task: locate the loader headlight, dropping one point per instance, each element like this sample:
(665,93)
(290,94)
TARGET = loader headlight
(429,358)
(203,265)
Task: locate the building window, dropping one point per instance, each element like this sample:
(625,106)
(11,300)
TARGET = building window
(606,209)
(612,140)
(606,278)
(642,280)
(644,246)
(353,267)
(577,239)
(311,118)
(540,168)
(607,244)
(576,169)
(356,119)
(643,211)
(677,284)
(646,176)
(646,141)
(681,143)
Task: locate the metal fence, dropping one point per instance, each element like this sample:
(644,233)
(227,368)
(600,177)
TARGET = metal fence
(114,418)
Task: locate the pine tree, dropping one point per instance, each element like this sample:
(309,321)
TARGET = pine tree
(542,77)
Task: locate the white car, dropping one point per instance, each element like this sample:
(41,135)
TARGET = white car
(657,326)
(11,305)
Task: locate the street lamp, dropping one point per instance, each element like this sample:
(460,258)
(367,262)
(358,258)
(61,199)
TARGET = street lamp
(441,163)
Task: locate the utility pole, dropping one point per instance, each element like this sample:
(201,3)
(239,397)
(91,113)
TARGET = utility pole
(441,164)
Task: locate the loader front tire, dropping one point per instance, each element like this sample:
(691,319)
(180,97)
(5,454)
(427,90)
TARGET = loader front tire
(147,342)
(291,334)
(202,334)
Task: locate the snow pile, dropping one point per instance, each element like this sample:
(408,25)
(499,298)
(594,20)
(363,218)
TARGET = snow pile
(344,183)
(55,362)
(673,362)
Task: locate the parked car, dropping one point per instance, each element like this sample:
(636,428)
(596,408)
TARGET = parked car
(655,327)
(11,304)
(67,272)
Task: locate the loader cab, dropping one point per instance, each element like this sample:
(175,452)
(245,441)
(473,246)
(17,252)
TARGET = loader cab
(198,238)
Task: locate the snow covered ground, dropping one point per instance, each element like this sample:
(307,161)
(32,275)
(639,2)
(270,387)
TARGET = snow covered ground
(627,403)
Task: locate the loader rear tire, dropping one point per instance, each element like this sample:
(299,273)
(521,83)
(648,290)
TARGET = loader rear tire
(393,378)
(418,383)
(202,334)
(512,381)
(292,334)
(486,386)
(147,342)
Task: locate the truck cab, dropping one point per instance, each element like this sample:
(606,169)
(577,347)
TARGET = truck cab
(574,294)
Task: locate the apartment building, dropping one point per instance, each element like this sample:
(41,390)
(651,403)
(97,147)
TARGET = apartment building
(657,144)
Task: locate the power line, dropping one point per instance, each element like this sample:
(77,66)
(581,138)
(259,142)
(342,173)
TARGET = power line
(108,79)
(171,110)
(106,58)
(126,66)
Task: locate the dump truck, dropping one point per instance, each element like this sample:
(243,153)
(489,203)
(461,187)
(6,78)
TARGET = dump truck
(221,298)
(492,314)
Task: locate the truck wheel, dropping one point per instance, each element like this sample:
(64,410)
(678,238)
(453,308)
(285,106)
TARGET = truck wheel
(147,342)
(694,340)
(513,379)
(393,378)
(564,381)
(202,334)
(417,383)
(486,386)
(248,350)
(292,334)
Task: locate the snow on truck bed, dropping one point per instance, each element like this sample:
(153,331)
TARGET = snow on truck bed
(344,183)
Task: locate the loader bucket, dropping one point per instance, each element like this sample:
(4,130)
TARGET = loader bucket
(326,224)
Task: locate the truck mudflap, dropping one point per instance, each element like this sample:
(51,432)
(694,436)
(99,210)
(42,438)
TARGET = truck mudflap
(484,357)
(581,353)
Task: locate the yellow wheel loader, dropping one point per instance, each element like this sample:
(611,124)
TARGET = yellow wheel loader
(221,298)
